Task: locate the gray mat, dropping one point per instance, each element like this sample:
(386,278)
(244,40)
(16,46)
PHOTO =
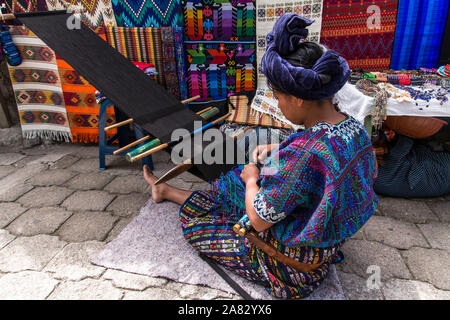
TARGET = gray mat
(153,245)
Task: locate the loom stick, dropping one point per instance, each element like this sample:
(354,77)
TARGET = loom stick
(174,142)
(154,145)
(187,164)
(148,137)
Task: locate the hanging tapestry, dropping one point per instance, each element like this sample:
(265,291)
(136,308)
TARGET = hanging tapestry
(219,20)
(149,45)
(26,5)
(419,33)
(268,11)
(362,32)
(37,88)
(82,108)
(98,12)
(220,70)
(148,13)
(180,55)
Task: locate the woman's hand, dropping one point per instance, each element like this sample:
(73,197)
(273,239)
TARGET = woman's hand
(261,152)
(250,173)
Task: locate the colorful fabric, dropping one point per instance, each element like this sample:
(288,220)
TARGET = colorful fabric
(243,114)
(149,45)
(8,47)
(419,32)
(220,70)
(180,55)
(37,88)
(26,5)
(362,36)
(206,20)
(98,13)
(148,13)
(209,230)
(268,11)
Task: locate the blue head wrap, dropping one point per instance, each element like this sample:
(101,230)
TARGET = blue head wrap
(327,76)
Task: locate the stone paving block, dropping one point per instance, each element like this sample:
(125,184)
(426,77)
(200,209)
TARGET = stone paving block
(437,234)
(5,238)
(119,166)
(88,201)
(74,262)
(9,211)
(87,289)
(36,221)
(407,210)
(29,253)
(85,165)
(89,225)
(128,184)
(187,291)
(28,160)
(441,209)
(152,294)
(64,162)
(89,181)
(51,178)
(18,177)
(128,205)
(396,289)
(360,254)
(88,152)
(44,196)
(118,228)
(15,192)
(6,170)
(130,281)
(394,233)
(7,159)
(27,285)
(355,288)
(429,265)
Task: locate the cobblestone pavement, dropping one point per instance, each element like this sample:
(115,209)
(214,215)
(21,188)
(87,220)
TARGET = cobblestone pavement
(57,210)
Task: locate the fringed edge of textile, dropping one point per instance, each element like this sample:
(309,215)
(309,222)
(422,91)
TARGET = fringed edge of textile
(48,135)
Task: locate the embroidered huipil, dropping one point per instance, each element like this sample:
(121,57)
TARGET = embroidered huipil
(317,188)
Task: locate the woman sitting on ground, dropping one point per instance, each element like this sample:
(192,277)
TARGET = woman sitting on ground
(319,191)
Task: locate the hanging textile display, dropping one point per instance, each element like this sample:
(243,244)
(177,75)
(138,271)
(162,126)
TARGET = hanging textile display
(81,105)
(444,56)
(419,33)
(149,45)
(148,13)
(26,5)
(220,47)
(180,55)
(98,12)
(268,11)
(362,32)
(37,88)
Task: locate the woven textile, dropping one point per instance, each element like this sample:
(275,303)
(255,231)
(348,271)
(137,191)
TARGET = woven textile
(37,88)
(99,12)
(180,55)
(419,33)
(362,36)
(148,13)
(149,45)
(26,5)
(207,228)
(81,105)
(243,114)
(206,20)
(220,70)
(268,11)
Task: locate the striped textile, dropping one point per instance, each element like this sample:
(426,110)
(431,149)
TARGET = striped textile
(243,114)
(148,13)
(81,106)
(149,45)
(98,12)
(419,33)
(352,29)
(37,88)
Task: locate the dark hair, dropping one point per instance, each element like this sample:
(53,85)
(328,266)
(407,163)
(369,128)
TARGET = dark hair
(305,56)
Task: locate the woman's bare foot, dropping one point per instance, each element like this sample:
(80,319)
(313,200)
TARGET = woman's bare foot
(158,190)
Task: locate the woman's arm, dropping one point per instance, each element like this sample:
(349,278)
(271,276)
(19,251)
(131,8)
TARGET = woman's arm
(250,175)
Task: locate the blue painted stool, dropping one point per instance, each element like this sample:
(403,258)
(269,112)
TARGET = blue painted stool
(123,134)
